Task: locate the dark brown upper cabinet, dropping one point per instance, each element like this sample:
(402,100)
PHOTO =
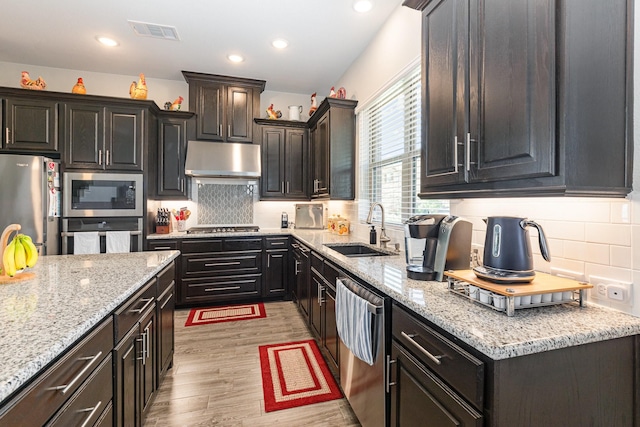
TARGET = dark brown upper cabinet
(173,132)
(224,106)
(30,125)
(333,149)
(285,160)
(525,97)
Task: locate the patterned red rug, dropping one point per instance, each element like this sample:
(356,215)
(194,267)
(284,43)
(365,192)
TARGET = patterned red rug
(295,374)
(228,313)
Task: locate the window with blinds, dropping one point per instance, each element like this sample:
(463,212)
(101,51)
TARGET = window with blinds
(389,138)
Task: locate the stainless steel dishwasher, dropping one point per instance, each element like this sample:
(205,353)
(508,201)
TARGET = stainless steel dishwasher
(364,384)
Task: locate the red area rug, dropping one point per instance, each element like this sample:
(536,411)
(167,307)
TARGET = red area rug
(295,374)
(228,313)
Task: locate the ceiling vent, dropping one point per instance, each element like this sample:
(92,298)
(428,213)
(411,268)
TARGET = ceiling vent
(157,31)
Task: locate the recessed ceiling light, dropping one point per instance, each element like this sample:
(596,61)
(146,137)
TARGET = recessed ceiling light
(362,6)
(280,43)
(107,41)
(235,58)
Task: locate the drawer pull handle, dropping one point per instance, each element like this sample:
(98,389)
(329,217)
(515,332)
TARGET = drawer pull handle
(277,243)
(221,264)
(159,248)
(435,359)
(64,389)
(147,301)
(226,288)
(92,412)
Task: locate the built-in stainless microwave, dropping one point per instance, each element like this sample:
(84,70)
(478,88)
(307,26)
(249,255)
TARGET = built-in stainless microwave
(94,194)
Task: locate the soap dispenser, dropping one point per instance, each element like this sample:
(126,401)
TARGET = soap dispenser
(373,236)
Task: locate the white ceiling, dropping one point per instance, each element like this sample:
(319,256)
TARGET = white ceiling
(325,37)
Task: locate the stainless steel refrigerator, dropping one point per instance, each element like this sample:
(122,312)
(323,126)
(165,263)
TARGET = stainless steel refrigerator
(30,196)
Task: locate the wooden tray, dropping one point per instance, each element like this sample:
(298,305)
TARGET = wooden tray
(542,284)
(20,277)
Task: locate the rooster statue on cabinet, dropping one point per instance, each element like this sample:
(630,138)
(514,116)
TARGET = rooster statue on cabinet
(79,88)
(27,83)
(138,90)
(272,113)
(314,104)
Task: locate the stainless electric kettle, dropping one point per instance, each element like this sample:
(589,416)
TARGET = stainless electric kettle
(507,250)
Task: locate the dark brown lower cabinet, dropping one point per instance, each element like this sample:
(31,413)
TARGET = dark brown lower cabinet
(419,398)
(166,307)
(127,374)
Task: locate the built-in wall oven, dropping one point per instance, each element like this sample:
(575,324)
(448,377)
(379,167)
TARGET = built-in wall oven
(102,202)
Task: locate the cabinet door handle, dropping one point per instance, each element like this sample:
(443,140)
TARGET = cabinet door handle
(91,411)
(468,151)
(220,129)
(296,268)
(222,264)
(100,157)
(282,187)
(107,160)
(226,288)
(435,359)
(455,154)
(141,340)
(147,302)
(6,134)
(320,289)
(287,187)
(388,382)
(229,131)
(64,388)
(182,185)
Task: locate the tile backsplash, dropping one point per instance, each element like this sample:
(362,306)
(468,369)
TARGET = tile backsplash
(225,203)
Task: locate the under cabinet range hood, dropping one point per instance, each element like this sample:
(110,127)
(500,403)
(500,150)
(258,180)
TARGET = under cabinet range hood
(222,159)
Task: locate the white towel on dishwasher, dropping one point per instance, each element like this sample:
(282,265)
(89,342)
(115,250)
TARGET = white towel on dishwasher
(118,242)
(354,322)
(86,242)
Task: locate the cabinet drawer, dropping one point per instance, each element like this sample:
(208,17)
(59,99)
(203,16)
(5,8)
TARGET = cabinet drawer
(276,243)
(195,265)
(127,315)
(201,246)
(317,262)
(87,405)
(244,286)
(51,390)
(460,369)
(162,245)
(331,274)
(242,244)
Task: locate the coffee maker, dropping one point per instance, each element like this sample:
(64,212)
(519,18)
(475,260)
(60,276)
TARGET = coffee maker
(435,243)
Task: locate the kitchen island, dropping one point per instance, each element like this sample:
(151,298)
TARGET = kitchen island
(70,296)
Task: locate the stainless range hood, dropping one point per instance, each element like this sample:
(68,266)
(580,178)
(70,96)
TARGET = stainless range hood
(222,159)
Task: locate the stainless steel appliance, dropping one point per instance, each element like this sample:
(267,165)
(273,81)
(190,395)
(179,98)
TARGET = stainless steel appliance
(309,215)
(216,159)
(29,187)
(107,195)
(134,225)
(208,229)
(435,243)
(507,250)
(364,385)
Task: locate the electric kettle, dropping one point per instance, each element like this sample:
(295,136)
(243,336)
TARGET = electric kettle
(507,250)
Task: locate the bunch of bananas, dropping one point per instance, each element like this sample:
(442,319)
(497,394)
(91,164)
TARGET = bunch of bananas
(20,253)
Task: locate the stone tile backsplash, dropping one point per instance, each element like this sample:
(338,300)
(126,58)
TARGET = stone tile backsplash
(226,203)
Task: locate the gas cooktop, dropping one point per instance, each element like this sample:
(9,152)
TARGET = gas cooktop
(207,229)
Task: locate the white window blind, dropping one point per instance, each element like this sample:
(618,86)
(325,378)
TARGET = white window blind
(389,138)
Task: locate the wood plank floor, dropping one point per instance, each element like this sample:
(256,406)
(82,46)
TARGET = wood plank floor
(216,381)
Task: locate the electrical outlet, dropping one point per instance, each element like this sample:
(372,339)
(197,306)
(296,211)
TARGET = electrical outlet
(610,290)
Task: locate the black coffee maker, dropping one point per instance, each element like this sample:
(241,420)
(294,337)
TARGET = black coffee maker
(435,243)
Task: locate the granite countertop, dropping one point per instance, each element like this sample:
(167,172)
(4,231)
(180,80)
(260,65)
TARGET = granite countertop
(493,333)
(69,295)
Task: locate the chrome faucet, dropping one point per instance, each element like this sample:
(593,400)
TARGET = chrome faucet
(383,236)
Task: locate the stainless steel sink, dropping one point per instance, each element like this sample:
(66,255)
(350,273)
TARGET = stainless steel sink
(357,249)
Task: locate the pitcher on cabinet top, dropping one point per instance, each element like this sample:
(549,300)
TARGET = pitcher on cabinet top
(294,112)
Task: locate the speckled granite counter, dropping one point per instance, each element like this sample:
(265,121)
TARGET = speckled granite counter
(530,330)
(42,317)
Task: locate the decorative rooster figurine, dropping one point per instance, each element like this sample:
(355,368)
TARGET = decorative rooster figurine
(175,106)
(139,90)
(273,114)
(27,83)
(314,105)
(332,92)
(79,87)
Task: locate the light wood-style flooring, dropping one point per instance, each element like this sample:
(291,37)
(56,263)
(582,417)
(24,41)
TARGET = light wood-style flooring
(216,380)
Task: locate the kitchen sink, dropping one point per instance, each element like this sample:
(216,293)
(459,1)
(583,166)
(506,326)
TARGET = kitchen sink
(357,250)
